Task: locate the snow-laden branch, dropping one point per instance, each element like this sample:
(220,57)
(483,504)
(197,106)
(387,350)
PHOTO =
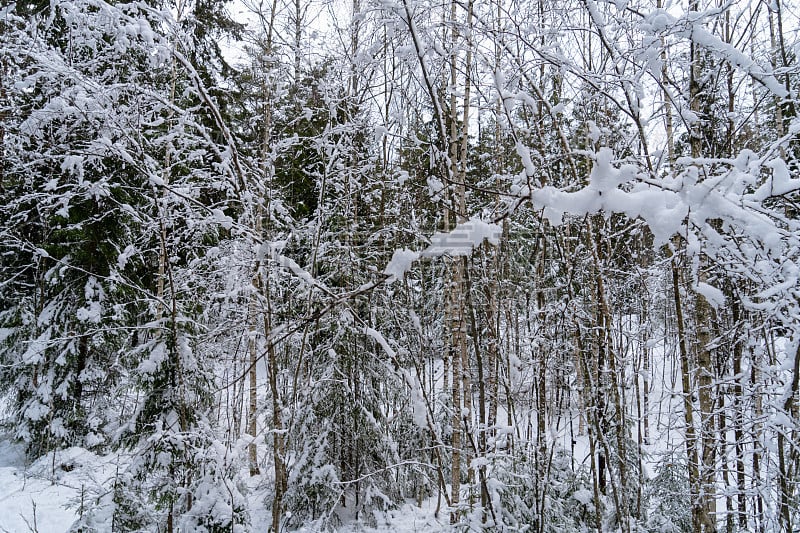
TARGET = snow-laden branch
(461,241)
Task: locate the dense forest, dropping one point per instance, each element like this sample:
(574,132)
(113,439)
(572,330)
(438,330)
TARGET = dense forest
(532,265)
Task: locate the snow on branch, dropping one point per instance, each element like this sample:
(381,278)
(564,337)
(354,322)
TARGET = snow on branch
(691,28)
(463,239)
(460,242)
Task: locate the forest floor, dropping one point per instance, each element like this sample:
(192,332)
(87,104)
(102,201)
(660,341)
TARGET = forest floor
(37,497)
(48,495)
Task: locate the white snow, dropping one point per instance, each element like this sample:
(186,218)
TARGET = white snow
(781,182)
(463,239)
(714,296)
(525,154)
(584,496)
(222,219)
(401,262)
(157,356)
(380,339)
(90,313)
(701,36)
(46,495)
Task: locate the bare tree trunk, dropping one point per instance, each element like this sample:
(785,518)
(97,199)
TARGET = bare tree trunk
(787,458)
(456,346)
(540,453)
(708,431)
(164,265)
(688,407)
(461,392)
(591,414)
(738,422)
(606,347)
(757,434)
(705,509)
(298,19)
(3,118)
(252,406)
(492,349)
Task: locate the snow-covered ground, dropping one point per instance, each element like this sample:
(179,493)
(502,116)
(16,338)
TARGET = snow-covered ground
(48,495)
(43,497)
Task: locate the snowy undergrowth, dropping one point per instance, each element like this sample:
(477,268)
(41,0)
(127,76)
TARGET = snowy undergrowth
(75,485)
(51,495)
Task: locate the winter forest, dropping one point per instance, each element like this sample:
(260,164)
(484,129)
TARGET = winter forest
(400,265)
